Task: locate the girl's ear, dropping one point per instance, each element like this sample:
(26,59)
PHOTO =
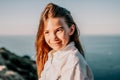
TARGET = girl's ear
(72,29)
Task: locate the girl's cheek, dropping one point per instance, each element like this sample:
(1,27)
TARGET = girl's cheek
(46,38)
(60,35)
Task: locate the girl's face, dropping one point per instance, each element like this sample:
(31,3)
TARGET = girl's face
(57,33)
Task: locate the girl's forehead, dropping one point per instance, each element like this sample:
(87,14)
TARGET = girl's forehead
(55,22)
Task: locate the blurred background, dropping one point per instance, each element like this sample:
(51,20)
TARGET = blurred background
(98,21)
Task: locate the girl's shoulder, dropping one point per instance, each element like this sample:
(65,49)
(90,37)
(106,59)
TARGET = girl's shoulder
(74,57)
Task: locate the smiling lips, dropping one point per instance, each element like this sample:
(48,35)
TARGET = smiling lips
(57,42)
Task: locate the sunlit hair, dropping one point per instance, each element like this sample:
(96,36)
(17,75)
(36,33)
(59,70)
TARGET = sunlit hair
(42,48)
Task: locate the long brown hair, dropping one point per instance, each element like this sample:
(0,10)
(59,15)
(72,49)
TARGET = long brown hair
(42,49)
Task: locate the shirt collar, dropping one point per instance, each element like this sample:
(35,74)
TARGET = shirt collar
(61,52)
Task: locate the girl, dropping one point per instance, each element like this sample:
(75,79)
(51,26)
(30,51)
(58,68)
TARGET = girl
(59,53)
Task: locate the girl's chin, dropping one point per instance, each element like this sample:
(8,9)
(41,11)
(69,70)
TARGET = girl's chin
(56,49)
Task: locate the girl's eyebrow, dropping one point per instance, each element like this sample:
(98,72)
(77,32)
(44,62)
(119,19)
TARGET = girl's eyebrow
(56,28)
(60,27)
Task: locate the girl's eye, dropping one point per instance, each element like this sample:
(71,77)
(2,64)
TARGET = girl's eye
(59,30)
(46,32)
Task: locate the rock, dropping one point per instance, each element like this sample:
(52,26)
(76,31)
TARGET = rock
(14,67)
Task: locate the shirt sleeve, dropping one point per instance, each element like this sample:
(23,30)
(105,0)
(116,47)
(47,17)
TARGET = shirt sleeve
(73,73)
(74,69)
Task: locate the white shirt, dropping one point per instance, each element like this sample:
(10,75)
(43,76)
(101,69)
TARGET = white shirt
(66,64)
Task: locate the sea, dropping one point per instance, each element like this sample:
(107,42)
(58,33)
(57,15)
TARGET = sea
(102,52)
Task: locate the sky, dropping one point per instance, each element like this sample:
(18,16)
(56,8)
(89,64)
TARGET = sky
(93,17)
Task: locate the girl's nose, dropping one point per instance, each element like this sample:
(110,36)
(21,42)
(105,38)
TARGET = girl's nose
(53,37)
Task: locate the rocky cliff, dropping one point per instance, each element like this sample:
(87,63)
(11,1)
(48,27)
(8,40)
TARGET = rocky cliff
(14,67)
